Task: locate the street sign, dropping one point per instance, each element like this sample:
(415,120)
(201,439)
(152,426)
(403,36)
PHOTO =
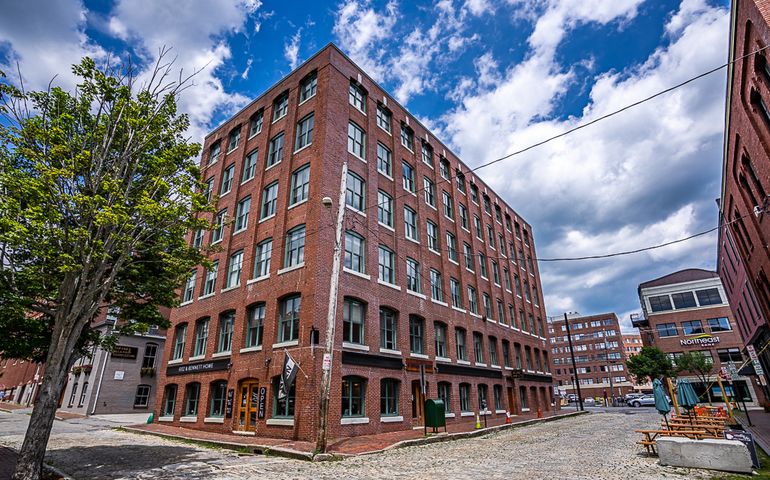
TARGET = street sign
(327,363)
(757,366)
(733,370)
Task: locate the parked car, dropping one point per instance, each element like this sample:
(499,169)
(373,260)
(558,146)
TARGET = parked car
(572,397)
(633,395)
(647,400)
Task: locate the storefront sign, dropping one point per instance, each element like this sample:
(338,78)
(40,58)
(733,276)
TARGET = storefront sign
(747,439)
(229,404)
(262,398)
(214,365)
(704,339)
(413,364)
(119,375)
(124,351)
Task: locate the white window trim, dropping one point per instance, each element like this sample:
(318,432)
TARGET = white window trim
(199,357)
(478,364)
(355,346)
(390,285)
(354,420)
(168,418)
(463,362)
(188,419)
(284,422)
(356,156)
(289,343)
(302,148)
(297,204)
(391,419)
(416,294)
(214,420)
(453,261)
(444,359)
(461,310)
(266,218)
(449,415)
(256,348)
(412,240)
(227,289)
(348,207)
(385,175)
(289,269)
(389,351)
(418,355)
(175,361)
(186,303)
(467,414)
(258,279)
(357,274)
(386,227)
(226,353)
(439,302)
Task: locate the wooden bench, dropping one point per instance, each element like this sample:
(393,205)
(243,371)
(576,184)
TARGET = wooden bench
(649,436)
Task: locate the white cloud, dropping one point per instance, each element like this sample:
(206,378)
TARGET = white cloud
(245,73)
(359,29)
(291,49)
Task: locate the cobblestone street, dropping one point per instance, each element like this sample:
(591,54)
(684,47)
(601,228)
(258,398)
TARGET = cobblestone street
(595,446)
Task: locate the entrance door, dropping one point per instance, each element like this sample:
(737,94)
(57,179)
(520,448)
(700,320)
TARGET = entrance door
(418,403)
(248,403)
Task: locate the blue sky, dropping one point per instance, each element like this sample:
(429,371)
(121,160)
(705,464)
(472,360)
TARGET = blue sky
(489,77)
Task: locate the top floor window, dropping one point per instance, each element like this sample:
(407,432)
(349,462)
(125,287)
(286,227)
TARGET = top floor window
(255,124)
(357,96)
(383,117)
(660,303)
(307,87)
(214,152)
(234,139)
(709,296)
(427,154)
(474,193)
(281,106)
(407,137)
(683,300)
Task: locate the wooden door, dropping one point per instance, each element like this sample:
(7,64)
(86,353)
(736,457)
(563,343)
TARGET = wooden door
(248,404)
(418,403)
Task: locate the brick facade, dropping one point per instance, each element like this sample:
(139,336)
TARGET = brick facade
(363,362)
(20,380)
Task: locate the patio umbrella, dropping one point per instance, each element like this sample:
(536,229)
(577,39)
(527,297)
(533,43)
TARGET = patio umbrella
(686,395)
(661,401)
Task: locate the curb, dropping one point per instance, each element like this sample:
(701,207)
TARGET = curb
(308,456)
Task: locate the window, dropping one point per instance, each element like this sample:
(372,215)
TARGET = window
(462,353)
(214,152)
(517,285)
(416,326)
(445,394)
(201,337)
(74,392)
(473,301)
(384,209)
(410,224)
(295,247)
(498,392)
(460,181)
(227,180)
(269,201)
(407,174)
(300,185)
(304,132)
(283,407)
(357,96)
(482,391)
(478,347)
(84,392)
(388,329)
(693,327)
(275,150)
(255,124)
(721,324)
(468,253)
(506,353)
(356,140)
(440,334)
(448,208)
(463,216)
(191,394)
(493,351)
(507,279)
(355,194)
(388,397)
(407,137)
(217,393)
(383,117)
(487,305)
(436,288)
(208,190)
(477,225)
(249,165)
(474,193)
(666,329)
(180,335)
(427,154)
(353,397)
(451,246)
(387,272)
(255,325)
(353,313)
(198,239)
(307,87)
(710,296)
(444,168)
(141,400)
(262,263)
(491,236)
(234,139)
(355,248)
(225,340)
(495,273)
(280,106)
(169,400)
(483,266)
(730,355)
(242,214)
(517,352)
(384,160)
(507,222)
(234,270)
(660,303)
(288,321)
(429,190)
(219,226)
(413,282)
(454,289)
(189,288)
(210,284)
(487,205)
(432,236)
(501,242)
(683,300)
(465,397)
(500,311)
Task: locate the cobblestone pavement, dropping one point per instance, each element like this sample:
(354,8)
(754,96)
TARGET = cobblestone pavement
(595,446)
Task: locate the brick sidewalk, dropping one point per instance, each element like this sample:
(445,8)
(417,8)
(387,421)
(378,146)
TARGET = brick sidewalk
(345,446)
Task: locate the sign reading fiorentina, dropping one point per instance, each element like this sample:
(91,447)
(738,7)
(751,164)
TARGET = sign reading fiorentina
(704,339)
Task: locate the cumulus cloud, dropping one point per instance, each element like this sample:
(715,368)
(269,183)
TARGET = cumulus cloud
(360,31)
(291,49)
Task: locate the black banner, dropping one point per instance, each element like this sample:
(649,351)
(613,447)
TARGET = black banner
(210,366)
(124,351)
(262,398)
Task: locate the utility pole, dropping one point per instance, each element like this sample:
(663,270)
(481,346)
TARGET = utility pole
(574,367)
(334,283)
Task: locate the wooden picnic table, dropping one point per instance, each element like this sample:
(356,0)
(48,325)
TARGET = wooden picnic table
(715,431)
(650,436)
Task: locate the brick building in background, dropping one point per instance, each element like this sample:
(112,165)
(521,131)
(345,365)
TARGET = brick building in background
(438,272)
(20,380)
(632,343)
(687,311)
(600,358)
(743,261)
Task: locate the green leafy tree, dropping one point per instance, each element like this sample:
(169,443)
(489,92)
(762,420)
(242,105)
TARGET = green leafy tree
(697,364)
(650,363)
(98,188)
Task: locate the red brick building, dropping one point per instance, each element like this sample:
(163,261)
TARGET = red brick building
(687,311)
(743,262)
(632,343)
(20,380)
(599,355)
(438,272)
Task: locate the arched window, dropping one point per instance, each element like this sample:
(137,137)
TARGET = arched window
(389,390)
(353,314)
(217,393)
(353,396)
(169,400)
(465,397)
(180,336)
(388,328)
(445,394)
(191,395)
(283,406)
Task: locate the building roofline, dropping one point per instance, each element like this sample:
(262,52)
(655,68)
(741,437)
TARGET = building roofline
(656,282)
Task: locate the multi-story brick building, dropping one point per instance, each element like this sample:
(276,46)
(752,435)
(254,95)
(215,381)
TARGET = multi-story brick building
(438,272)
(632,343)
(743,260)
(687,311)
(600,358)
(20,380)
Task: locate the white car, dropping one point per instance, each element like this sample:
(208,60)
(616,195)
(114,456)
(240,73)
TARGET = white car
(645,401)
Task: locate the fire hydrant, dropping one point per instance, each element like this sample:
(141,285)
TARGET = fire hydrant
(539,413)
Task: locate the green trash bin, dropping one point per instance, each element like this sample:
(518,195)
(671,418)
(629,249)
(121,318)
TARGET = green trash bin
(434,414)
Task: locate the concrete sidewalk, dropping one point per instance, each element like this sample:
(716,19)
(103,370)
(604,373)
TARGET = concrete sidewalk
(760,427)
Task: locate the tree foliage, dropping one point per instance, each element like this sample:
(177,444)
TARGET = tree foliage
(699,365)
(650,363)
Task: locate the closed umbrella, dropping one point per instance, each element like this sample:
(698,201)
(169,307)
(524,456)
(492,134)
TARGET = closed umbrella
(661,400)
(686,396)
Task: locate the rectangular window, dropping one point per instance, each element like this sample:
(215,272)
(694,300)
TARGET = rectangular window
(427,154)
(201,337)
(440,337)
(304,132)
(275,150)
(295,247)
(169,401)
(217,395)
(517,284)
(255,125)
(300,185)
(388,329)
(262,262)
(507,279)
(660,303)
(356,141)
(384,160)
(353,313)
(709,296)
(730,355)
(477,224)
(429,190)
(474,193)
(448,207)
(355,194)
(416,326)
(432,236)
(445,394)
(465,397)
(383,118)
(407,176)
(387,272)
(495,273)
(487,205)
(180,336)
(493,351)
(487,305)
(234,139)
(308,86)
(463,216)
(227,180)
(211,279)
(280,106)
(234,270)
(451,247)
(506,353)
(478,347)
(388,397)
(255,326)
(214,152)
(666,329)
(473,301)
(198,238)
(288,322)
(242,214)
(225,340)
(721,324)
(249,165)
(384,209)
(407,137)
(413,282)
(436,287)
(454,289)
(141,399)
(500,311)
(462,353)
(683,300)
(189,288)
(357,97)
(355,248)
(692,327)
(269,201)
(468,253)
(444,168)
(483,266)
(410,224)
(491,236)
(460,181)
